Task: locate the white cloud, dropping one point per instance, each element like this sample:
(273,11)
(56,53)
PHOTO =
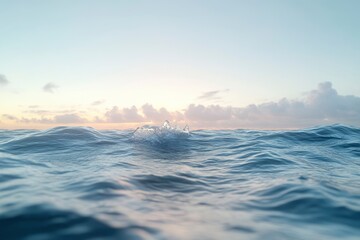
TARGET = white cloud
(9,117)
(153,115)
(147,113)
(33,106)
(50,87)
(210,113)
(3,80)
(327,103)
(57,119)
(124,115)
(97,102)
(320,106)
(69,118)
(212,95)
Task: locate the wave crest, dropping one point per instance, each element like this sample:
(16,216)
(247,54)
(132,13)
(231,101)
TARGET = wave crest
(54,139)
(163,134)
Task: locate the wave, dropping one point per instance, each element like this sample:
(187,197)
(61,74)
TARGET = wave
(47,222)
(165,182)
(163,134)
(169,183)
(330,133)
(57,139)
(315,204)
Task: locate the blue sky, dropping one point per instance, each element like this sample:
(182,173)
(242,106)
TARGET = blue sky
(168,54)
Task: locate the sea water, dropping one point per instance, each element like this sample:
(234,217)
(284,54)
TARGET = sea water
(171,183)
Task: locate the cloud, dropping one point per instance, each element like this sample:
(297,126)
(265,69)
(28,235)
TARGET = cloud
(33,106)
(9,117)
(320,106)
(125,115)
(69,118)
(146,114)
(326,102)
(209,113)
(323,105)
(41,120)
(98,102)
(50,87)
(39,111)
(3,80)
(212,95)
(57,119)
(153,115)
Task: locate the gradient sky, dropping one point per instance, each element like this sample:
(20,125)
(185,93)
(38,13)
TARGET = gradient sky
(89,62)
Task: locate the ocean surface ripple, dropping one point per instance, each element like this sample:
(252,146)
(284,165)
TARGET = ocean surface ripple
(169,183)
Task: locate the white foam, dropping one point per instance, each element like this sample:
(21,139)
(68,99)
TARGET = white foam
(161,134)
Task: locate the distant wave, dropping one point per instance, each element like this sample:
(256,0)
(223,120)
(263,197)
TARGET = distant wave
(165,182)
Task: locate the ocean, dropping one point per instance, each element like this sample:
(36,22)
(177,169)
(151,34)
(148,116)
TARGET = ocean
(169,183)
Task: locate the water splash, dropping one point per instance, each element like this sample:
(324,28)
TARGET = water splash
(163,134)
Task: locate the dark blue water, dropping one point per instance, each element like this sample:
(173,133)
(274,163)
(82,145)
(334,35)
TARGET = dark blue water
(79,183)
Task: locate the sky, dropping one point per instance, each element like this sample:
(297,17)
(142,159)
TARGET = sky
(210,64)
